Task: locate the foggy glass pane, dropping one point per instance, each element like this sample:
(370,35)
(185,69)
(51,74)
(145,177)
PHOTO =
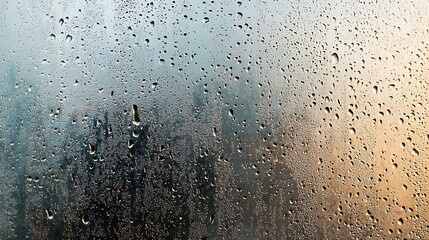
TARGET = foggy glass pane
(125,119)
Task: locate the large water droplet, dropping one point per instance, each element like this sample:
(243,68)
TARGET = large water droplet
(69,38)
(85,219)
(415,153)
(214,132)
(91,148)
(135,115)
(49,214)
(334,58)
(231,112)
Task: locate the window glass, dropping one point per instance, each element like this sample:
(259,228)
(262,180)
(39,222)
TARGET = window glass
(213,119)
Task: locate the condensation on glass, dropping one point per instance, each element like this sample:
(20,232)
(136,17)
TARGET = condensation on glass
(214,119)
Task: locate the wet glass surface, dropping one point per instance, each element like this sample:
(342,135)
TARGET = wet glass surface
(124,119)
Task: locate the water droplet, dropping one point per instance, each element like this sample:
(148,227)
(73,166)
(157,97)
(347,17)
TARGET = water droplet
(327,110)
(206,19)
(85,219)
(135,115)
(135,134)
(214,132)
(415,153)
(61,21)
(239,15)
(91,148)
(337,116)
(52,36)
(130,143)
(69,38)
(49,214)
(334,58)
(231,112)
(98,123)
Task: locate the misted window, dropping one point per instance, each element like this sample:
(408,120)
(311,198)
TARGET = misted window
(250,119)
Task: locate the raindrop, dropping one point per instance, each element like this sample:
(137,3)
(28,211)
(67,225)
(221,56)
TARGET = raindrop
(130,143)
(49,214)
(91,148)
(52,36)
(327,110)
(206,19)
(85,219)
(214,132)
(334,58)
(231,112)
(135,134)
(415,153)
(61,21)
(135,115)
(69,38)
(239,15)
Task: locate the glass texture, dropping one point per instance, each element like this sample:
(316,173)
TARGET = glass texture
(250,119)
